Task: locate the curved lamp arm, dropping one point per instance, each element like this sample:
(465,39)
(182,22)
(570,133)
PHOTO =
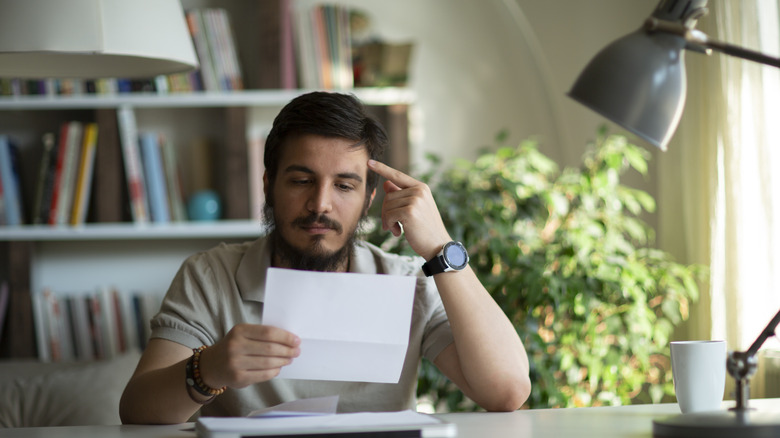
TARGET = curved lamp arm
(699,41)
(742,364)
(638,81)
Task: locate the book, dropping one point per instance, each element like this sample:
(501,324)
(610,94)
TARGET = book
(65,172)
(155,178)
(228,47)
(197,30)
(107,322)
(41,329)
(127,312)
(62,145)
(79,308)
(83,186)
(305,50)
(4,298)
(173,180)
(51,325)
(346,76)
(136,183)
(69,173)
(321,47)
(2,204)
(9,178)
(96,326)
(64,329)
(217,52)
(43,188)
(223,57)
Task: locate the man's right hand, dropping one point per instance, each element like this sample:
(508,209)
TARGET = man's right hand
(249,353)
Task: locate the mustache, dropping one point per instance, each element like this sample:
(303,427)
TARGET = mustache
(318,219)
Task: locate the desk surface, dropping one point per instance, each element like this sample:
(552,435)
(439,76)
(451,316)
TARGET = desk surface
(623,421)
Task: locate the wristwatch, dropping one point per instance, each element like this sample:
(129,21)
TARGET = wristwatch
(452,257)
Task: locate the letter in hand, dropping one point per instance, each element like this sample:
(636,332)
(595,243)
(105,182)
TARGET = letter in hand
(248,354)
(409,207)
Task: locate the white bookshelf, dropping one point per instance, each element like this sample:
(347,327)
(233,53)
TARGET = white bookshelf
(198,99)
(223,229)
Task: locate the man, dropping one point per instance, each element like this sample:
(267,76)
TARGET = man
(321,175)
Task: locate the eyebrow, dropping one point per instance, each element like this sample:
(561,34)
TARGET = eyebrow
(304,169)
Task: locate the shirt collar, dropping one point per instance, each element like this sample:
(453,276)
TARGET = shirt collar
(250,275)
(251,272)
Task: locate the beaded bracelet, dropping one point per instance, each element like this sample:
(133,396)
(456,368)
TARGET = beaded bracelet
(195,381)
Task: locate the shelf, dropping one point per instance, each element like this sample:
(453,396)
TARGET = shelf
(369,96)
(131,231)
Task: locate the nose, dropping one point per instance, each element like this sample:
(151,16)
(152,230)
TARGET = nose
(320,199)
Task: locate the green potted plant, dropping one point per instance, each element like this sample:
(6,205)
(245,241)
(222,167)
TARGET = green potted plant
(569,260)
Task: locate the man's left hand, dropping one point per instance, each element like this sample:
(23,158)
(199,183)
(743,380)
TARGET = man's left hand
(410,203)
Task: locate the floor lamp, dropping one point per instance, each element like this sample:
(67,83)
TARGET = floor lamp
(639,82)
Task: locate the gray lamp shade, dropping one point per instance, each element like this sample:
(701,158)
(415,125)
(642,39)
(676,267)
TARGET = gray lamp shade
(639,83)
(93,38)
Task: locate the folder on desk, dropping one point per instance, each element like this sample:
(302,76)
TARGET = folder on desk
(374,424)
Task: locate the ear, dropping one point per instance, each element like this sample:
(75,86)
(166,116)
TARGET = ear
(266,186)
(370,201)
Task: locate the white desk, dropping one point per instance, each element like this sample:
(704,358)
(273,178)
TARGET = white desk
(625,421)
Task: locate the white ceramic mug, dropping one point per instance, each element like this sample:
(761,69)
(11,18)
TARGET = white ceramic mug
(699,372)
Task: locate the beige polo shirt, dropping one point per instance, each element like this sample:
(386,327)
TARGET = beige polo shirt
(224,286)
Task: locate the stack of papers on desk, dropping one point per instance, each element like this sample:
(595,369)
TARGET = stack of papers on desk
(299,408)
(396,424)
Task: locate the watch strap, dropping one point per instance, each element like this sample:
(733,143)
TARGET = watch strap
(434,266)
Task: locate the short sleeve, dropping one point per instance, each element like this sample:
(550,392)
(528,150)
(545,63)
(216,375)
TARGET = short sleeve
(203,302)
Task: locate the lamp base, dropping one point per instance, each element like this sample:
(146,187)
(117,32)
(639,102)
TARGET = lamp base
(743,424)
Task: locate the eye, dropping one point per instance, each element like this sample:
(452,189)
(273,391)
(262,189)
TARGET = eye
(345,187)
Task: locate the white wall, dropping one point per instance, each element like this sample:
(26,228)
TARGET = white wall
(482,66)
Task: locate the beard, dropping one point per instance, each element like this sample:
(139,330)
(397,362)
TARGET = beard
(314,257)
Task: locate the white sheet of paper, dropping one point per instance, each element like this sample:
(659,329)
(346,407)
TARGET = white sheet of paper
(300,408)
(353,327)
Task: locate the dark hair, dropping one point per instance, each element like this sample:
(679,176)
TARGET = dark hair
(329,115)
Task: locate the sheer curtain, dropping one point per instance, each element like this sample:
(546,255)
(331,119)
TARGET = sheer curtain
(727,185)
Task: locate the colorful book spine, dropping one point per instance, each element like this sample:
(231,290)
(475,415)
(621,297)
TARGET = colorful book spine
(136,183)
(83,186)
(155,177)
(198,32)
(10,182)
(62,211)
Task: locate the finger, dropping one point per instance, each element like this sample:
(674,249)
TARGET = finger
(272,349)
(267,333)
(397,177)
(393,225)
(390,187)
(268,363)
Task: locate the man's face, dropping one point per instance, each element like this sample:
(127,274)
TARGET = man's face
(319,195)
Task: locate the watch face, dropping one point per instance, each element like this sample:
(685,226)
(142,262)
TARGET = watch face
(456,256)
